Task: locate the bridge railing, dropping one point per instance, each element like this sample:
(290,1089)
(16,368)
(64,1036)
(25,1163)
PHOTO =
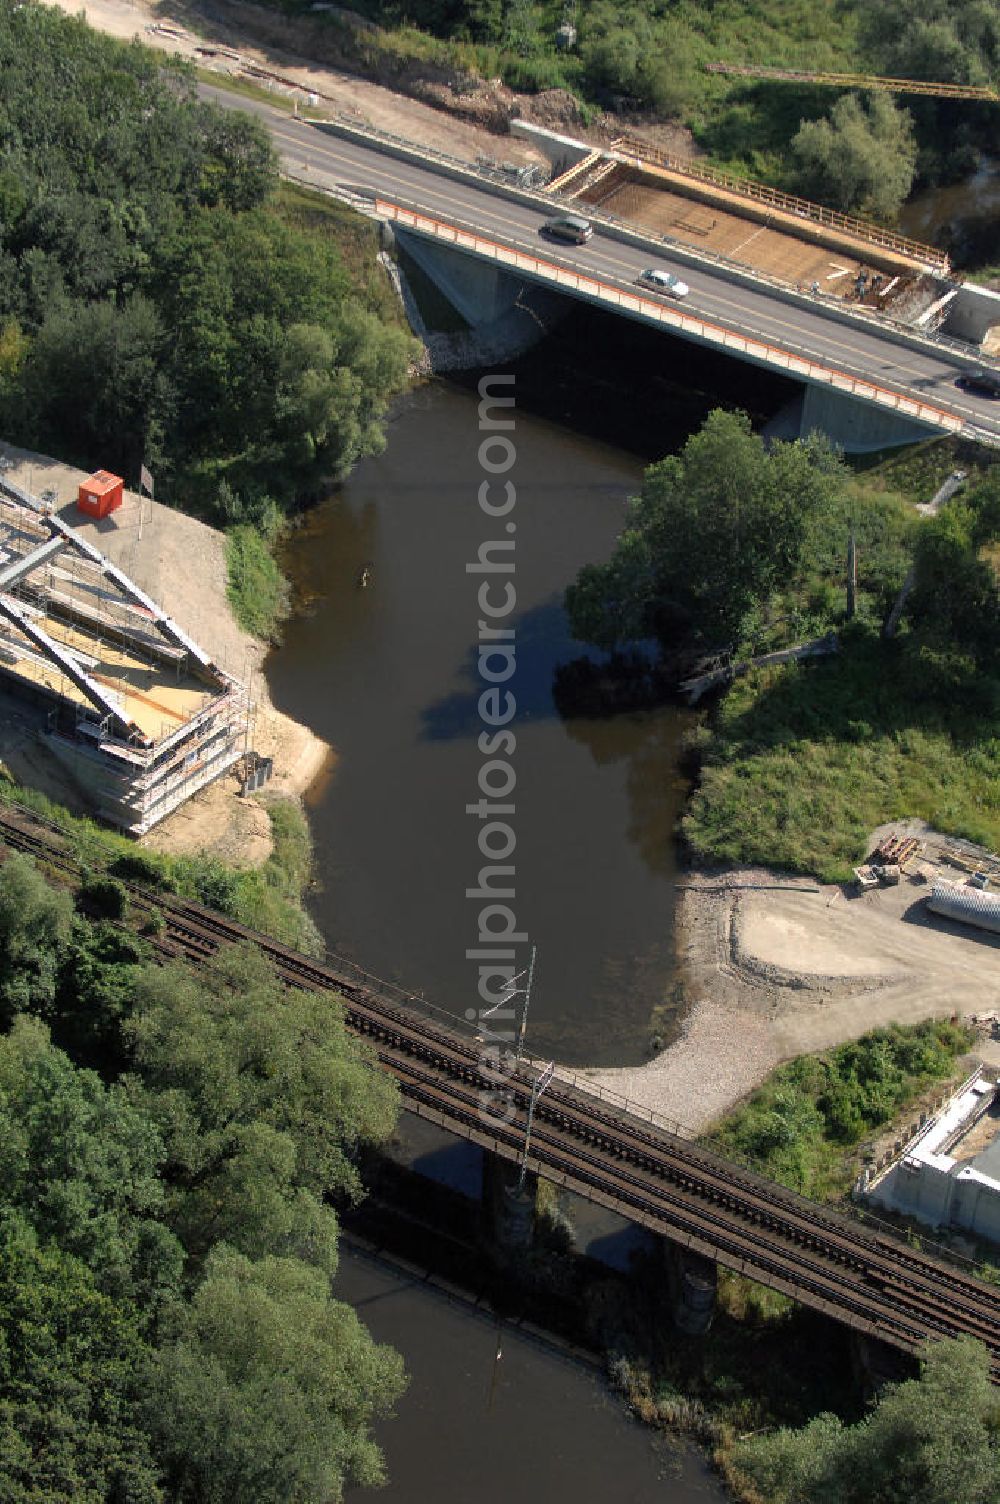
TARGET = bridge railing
(641,153)
(595,289)
(852,1210)
(402,997)
(495,175)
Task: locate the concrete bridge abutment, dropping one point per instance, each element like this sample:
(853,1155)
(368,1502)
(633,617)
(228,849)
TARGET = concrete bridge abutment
(854,426)
(476,289)
(875,1364)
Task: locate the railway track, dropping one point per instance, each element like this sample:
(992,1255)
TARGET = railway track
(865,1278)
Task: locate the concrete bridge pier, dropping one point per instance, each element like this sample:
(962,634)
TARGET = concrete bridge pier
(854,426)
(480,291)
(875,1364)
(692,1280)
(508,1210)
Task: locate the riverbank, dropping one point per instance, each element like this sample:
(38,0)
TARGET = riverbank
(181,563)
(774,966)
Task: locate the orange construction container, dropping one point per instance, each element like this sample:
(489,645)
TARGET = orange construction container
(101,494)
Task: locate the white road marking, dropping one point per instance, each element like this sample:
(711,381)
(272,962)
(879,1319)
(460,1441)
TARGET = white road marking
(396,176)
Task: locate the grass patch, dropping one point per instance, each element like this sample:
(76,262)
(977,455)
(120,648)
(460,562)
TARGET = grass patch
(247,89)
(268,898)
(804,761)
(917,472)
(257,590)
(803,1125)
(357,240)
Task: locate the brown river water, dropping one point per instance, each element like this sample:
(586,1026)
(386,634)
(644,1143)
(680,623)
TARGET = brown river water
(387,672)
(533,1426)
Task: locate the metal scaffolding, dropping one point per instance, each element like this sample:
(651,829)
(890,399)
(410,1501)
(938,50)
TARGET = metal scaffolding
(141,714)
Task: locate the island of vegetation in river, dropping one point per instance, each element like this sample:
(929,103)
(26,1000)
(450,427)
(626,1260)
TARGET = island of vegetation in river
(734,549)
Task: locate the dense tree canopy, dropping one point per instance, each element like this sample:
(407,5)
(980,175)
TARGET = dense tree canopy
(956,597)
(262,1099)
(153,303)
(861,157)
(82,1166)
(267,1389)
(951,41)
(714,531)
(167,1328)
(35,924)
(932,1440)
(71,1381)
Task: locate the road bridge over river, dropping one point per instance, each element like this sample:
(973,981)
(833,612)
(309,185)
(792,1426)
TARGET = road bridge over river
(851,363)
(858,1274)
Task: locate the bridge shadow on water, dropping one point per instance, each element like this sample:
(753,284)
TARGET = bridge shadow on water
(633,386)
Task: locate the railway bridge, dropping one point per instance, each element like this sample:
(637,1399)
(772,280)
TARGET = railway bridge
(863,1276)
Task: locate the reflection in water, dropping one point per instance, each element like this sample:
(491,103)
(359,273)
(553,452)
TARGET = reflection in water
(458,714)
(388,674)
(530,1426)
(656,788)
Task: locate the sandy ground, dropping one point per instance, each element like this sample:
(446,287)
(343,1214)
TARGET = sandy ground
(776,967)
(264,39)
(181,563)
(185,29)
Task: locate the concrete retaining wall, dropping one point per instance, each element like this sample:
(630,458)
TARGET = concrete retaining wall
(973,313)
(855,426)
(562,152)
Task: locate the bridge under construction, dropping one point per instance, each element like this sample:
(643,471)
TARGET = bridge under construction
(137,712)
(881,1286)
(793,240)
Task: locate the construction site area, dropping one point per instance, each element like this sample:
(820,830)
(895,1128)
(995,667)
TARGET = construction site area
(791,240)
(776,966)
(137,712)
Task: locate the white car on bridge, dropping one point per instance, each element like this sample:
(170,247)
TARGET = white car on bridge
(664,283)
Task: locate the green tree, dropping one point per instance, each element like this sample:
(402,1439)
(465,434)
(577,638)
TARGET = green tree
(955,601)
(931,1440)
(35,926)
(714,531)
(81,1165)
(92,369)
(862,157)
(128,208)
(954,41)
(72,1364)
(95,993)
(269,1388)
(262,1098)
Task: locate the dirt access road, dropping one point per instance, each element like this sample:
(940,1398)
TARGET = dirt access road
(186,31)
(468,121)
(776,966)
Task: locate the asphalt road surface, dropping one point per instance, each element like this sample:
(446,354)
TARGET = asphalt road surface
(328,161)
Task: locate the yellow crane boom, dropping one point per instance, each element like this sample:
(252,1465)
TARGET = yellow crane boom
(857,81)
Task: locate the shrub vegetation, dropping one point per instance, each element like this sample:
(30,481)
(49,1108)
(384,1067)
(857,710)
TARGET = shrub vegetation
(738,550)
(800,1127)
